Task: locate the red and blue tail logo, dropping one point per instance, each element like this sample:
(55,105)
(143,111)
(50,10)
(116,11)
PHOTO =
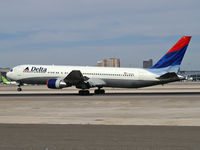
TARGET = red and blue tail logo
(174,57)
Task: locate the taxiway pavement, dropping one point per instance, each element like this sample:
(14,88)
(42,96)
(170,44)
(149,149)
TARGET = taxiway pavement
(95,137)
(153,118)
(176,104)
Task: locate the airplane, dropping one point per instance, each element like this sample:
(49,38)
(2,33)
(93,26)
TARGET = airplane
(84,77)
(5,81)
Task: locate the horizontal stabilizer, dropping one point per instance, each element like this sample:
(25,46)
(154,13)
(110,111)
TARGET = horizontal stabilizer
(169,75)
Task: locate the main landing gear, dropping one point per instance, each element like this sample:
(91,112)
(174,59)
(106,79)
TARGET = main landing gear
(84,92)
(99,91)
(87,92)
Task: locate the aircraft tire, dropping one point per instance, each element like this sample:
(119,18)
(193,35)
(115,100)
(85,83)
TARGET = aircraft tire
(84,92)
(102,91)
(99,91)
(96,92)
(19,89)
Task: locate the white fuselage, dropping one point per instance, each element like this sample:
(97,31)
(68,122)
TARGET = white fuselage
(113,77)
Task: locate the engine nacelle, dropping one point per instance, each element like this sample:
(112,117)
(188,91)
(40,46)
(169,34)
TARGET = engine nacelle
(56,84)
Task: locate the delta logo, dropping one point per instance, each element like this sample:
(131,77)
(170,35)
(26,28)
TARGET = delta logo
(26,69)
(36,69)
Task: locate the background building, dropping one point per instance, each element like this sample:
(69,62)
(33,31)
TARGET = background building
(109,62)
(147,63)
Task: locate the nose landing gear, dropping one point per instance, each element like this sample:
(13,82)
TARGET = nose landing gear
(19,89)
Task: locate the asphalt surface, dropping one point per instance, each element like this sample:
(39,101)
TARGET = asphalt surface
(110,109)
(94,137)
(154,118)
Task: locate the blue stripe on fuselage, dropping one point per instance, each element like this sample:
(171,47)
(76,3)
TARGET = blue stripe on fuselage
(171,59)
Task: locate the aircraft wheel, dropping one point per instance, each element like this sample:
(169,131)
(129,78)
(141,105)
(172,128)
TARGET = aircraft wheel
(96,91)
(102,91)
(99,91)
(84,92)
(80,92)
(19,89)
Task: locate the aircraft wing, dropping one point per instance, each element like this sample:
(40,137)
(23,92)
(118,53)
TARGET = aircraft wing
(75,77)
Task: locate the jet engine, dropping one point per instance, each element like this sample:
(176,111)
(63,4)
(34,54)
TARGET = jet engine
(56,84)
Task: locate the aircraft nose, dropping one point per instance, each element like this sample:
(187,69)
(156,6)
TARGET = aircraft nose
(8,75)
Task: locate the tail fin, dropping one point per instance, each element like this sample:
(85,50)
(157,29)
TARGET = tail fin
(171,61)
(4,79)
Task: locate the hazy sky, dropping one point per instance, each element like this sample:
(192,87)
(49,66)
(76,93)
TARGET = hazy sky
(81,32)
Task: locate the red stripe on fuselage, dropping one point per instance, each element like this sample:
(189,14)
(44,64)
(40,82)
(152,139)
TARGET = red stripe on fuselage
(184,41)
